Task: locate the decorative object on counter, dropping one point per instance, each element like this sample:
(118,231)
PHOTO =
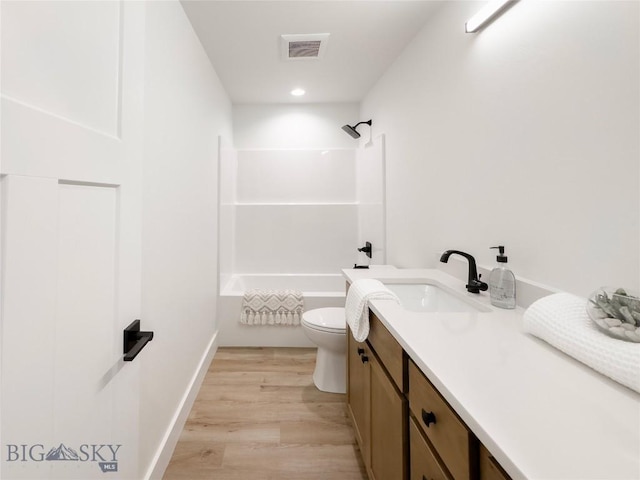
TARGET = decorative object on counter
(272,307)
(562,321)
(474,284)
(356,305)
(502,283)
(616,312)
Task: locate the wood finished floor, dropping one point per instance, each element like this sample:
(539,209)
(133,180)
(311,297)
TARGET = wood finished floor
(258,416)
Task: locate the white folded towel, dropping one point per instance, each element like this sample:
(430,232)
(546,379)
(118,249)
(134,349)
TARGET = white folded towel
(561,320)
(356,306)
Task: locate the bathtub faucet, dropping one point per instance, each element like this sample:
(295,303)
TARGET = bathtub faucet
(366,249)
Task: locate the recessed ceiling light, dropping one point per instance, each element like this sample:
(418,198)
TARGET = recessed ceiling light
(297,92)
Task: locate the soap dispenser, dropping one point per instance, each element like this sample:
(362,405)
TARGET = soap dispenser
(502,283)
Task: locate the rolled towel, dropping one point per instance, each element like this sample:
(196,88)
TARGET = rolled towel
(356,306)
(562,321)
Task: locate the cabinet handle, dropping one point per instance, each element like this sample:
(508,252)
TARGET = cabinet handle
(428,418)
(364,358)
(360,351)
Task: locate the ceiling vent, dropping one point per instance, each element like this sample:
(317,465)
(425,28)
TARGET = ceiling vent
(304,46)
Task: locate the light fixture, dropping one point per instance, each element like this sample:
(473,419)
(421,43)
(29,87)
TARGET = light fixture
(297,92)
(487,13)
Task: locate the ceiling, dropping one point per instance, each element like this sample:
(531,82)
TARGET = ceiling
(242,39)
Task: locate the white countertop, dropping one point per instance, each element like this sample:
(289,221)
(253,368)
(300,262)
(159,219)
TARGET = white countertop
(542,414)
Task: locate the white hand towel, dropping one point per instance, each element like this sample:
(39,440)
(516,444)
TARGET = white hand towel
(356,306)
(562,321)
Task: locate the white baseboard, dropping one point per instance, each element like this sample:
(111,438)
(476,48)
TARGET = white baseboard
(165,450)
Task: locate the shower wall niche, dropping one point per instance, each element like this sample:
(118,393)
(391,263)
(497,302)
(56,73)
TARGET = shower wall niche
(288,211)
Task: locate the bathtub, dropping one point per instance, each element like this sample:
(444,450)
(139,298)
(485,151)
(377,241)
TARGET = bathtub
(319,290)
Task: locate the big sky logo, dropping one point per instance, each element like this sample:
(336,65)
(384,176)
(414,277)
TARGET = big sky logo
(106,455)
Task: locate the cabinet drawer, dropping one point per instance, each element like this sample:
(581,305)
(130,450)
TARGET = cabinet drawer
(388,350)
(489,468)
(454,443)
(424,465)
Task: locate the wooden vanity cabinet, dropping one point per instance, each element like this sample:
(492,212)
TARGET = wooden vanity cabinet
(405,429)
(377,405)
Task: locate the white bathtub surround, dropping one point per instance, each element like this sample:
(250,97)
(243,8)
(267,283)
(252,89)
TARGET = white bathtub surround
(296,175)
(357,310)
(305,199)
(562,321)
(272,307)
(312,284)
(319,290)
(371,200)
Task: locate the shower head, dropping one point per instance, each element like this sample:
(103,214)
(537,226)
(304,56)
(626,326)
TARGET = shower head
(352,130)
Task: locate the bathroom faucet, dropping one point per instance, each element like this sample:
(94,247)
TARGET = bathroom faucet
(474,284)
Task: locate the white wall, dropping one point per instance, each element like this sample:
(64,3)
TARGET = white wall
(525,134)
(296,126)
(186,108)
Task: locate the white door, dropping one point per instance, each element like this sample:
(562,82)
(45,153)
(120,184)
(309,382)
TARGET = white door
(71,147)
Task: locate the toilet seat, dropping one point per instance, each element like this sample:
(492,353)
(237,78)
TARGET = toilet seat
(329,320)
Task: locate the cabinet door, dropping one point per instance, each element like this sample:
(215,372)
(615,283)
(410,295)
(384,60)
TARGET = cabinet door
(358,392)
(489,467)
(71,194)
(388,426)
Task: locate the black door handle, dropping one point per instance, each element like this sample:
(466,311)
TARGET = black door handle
(361,351)
(134,340)
(364,358)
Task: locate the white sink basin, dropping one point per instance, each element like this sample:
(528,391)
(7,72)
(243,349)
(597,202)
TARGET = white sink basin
(425,297)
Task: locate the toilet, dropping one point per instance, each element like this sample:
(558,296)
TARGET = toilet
(327,328)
